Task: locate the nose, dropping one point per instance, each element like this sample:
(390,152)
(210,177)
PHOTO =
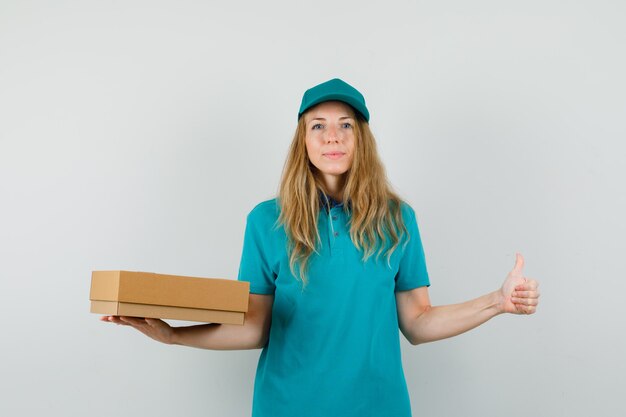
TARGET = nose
(333,135)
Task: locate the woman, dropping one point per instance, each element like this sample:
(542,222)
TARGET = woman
(336,266)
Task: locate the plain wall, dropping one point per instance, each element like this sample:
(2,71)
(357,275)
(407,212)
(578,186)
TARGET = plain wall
(138,134)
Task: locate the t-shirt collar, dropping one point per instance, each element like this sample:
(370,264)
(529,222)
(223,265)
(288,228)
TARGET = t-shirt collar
(332,203)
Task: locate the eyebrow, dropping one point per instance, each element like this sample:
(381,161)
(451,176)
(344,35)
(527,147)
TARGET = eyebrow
(341,118)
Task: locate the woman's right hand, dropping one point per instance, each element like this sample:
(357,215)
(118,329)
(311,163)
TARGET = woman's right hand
(253,334)
(154,328)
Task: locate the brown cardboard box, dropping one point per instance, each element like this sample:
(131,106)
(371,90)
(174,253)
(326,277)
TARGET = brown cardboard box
(146,294)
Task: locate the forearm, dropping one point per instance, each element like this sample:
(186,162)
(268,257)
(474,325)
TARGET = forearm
(253,334)
(441,322)
(218,337)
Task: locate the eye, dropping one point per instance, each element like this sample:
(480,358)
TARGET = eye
(346,125)
(316,126)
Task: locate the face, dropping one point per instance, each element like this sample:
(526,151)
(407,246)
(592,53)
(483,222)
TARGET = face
(330,138)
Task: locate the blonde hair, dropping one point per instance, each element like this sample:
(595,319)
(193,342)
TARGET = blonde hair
(375,210)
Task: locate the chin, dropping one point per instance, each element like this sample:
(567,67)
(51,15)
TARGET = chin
(334,171)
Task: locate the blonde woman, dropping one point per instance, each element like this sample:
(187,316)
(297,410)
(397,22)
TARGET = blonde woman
(336,267)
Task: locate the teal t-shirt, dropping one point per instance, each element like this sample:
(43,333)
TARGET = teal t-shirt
(334,348)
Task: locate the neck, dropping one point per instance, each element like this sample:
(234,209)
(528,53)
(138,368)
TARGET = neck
(334,186)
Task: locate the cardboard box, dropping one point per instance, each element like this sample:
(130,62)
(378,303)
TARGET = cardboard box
(146,294)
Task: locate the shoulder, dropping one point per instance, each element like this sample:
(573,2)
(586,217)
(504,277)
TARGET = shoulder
(265,212)
(409,217)
(408,214)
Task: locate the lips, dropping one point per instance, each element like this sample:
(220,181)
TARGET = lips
(334,155)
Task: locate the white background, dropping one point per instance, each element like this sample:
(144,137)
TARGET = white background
(138,134)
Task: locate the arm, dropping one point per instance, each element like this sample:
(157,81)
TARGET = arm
(253,334)
(420,322)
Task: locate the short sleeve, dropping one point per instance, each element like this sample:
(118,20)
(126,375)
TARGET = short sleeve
(412,272)
(255,265)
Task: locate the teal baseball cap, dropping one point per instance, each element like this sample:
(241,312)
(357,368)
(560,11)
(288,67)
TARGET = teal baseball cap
(334,89)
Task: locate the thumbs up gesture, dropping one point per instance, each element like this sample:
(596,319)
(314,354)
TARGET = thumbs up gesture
(520,295)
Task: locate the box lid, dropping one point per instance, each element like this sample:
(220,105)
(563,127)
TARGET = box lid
(170,290)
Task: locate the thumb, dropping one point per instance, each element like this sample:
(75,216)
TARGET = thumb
(519,264)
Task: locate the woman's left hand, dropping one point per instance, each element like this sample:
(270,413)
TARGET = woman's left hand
(519,294)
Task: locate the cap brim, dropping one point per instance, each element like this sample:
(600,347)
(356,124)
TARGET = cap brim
(355,104)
